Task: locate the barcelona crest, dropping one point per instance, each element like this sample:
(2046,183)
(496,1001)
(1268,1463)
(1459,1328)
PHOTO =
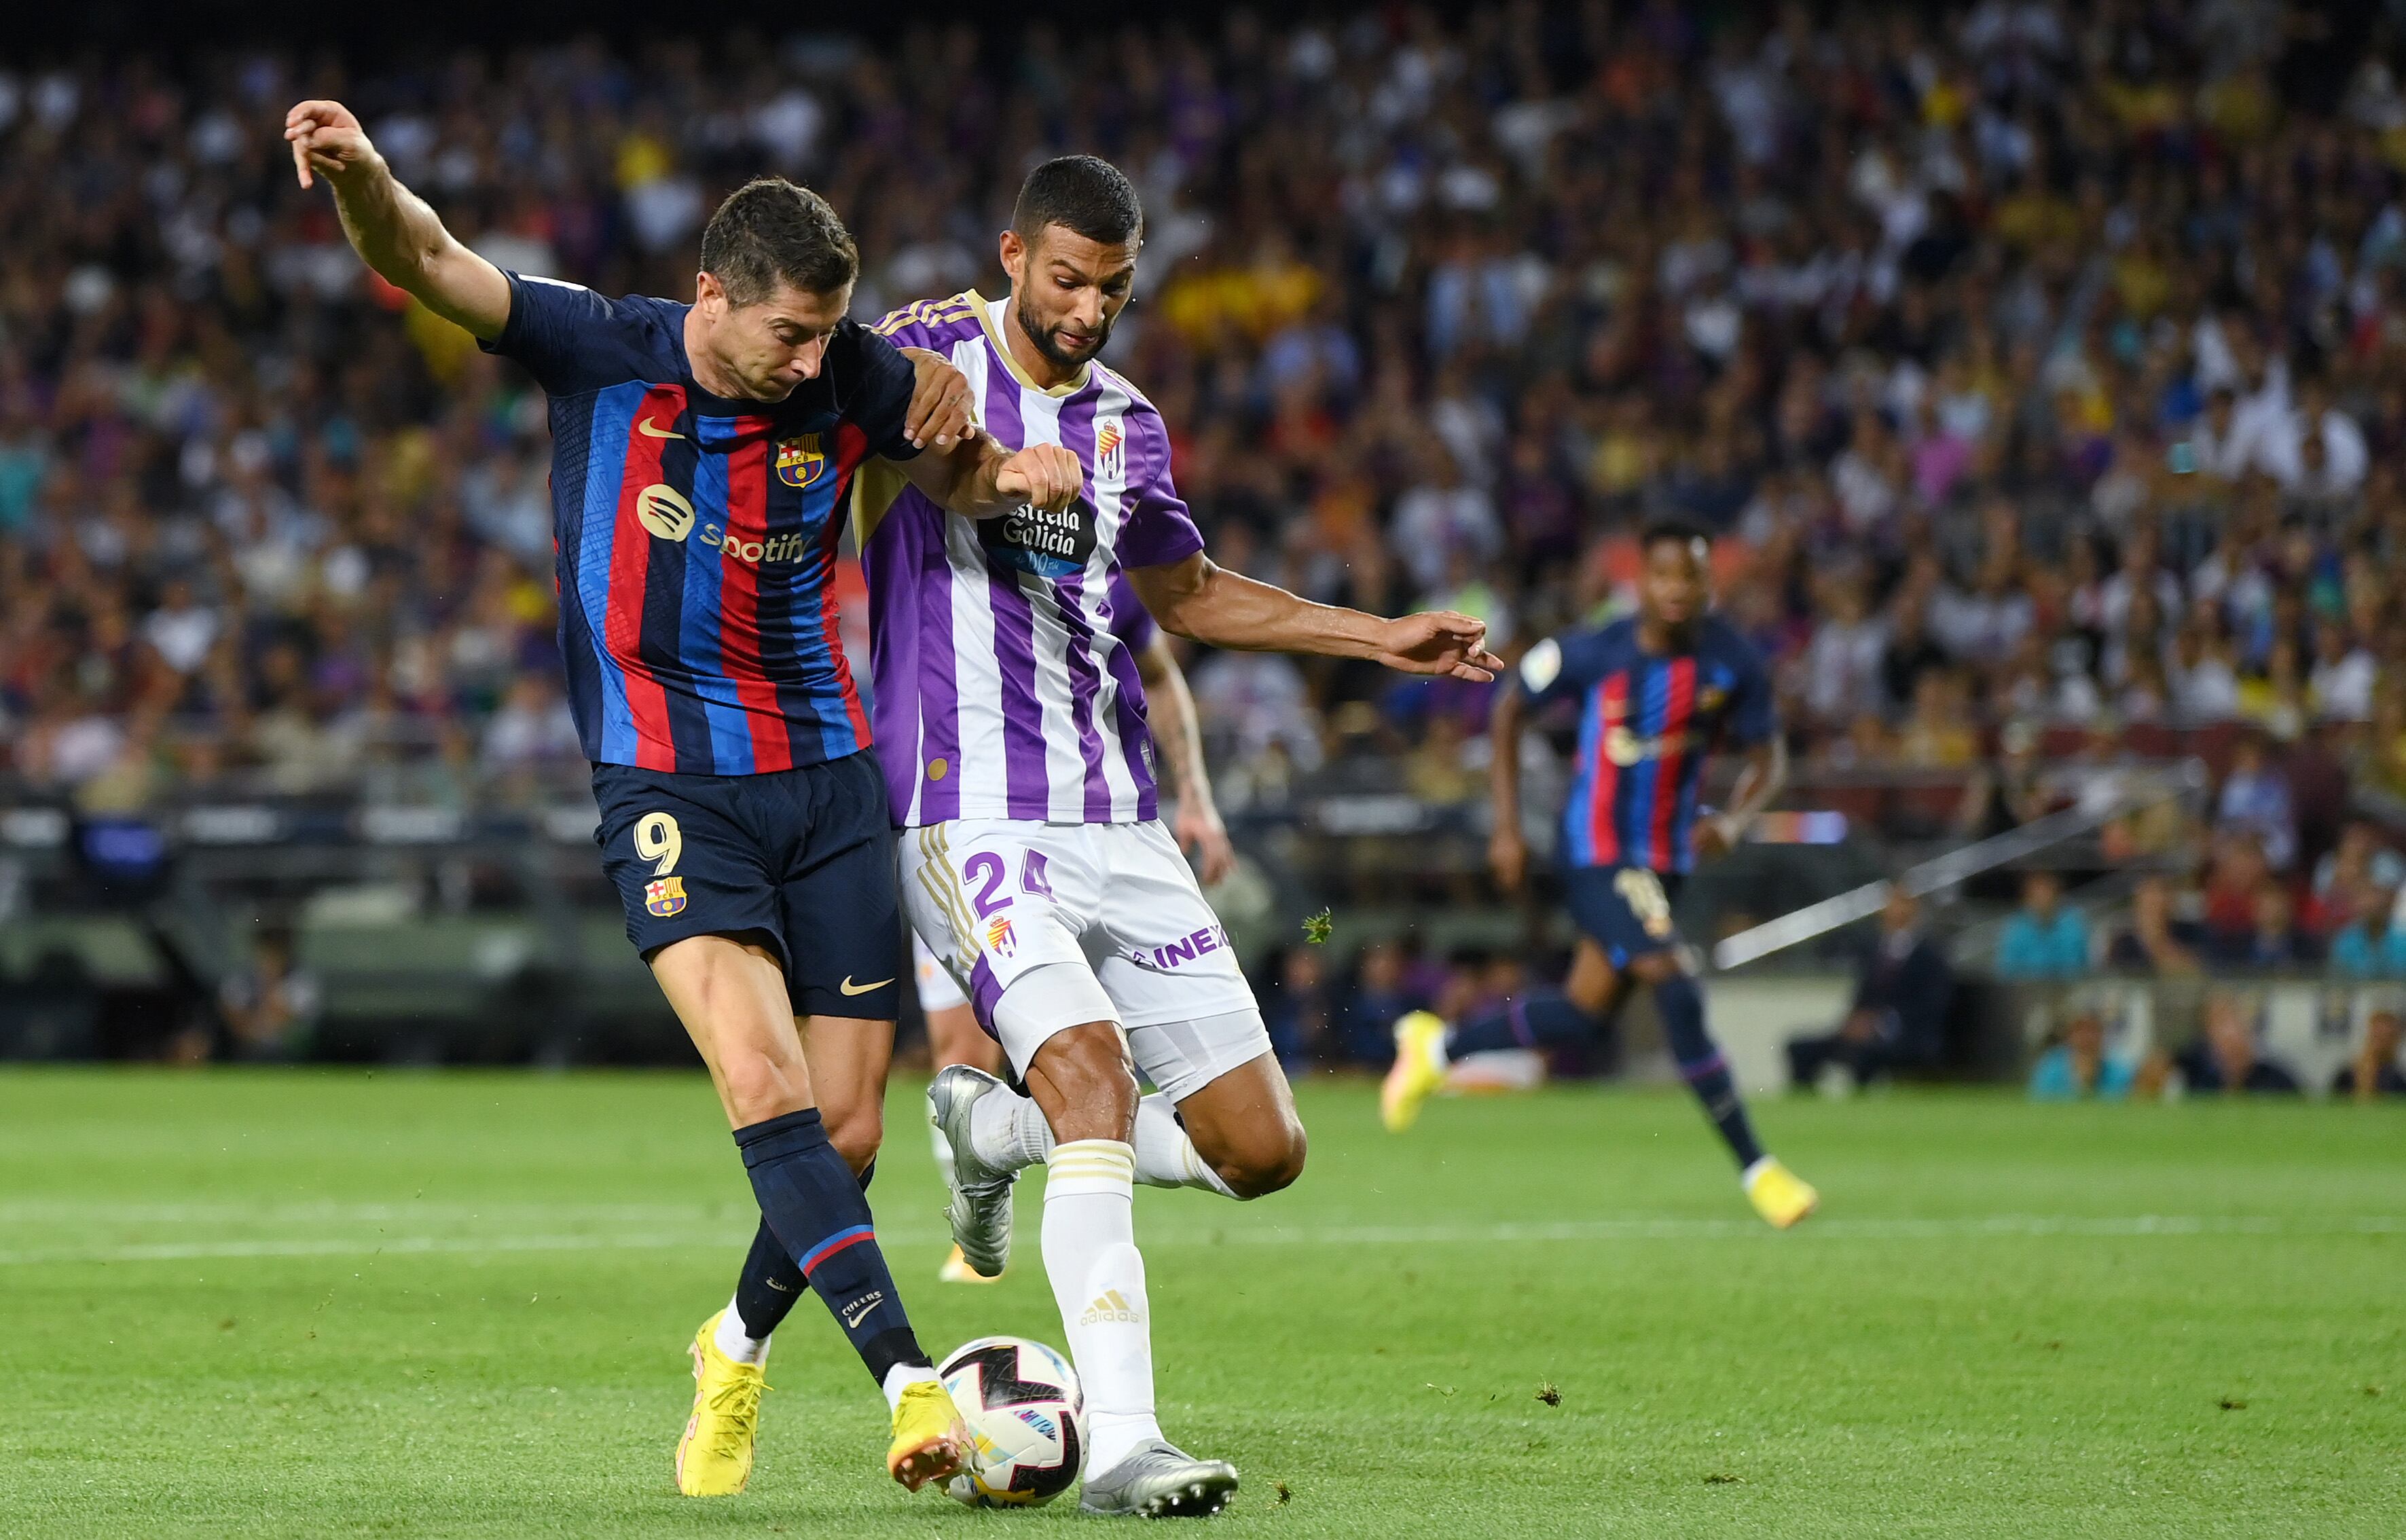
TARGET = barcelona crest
(664,898)
(800,460)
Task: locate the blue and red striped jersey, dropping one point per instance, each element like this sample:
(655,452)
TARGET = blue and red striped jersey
(1647,722)
(696,535)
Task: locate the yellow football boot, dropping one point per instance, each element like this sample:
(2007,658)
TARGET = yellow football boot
(1418,1070)
(714,1459)
(1779,1194)
(956,1269)
(929,1441)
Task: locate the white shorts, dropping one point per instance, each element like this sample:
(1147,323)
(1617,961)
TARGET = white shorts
(937,990)
(996,898)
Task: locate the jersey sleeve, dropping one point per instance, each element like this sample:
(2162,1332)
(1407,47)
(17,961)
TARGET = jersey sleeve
(879,398)
(569,338)
(1159,530)
(1560,668)
(1750,718)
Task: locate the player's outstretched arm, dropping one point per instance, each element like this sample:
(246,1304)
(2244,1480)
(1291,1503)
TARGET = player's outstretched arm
(978,478)
(1759,781)
(391,228)
(1203,601)
(1178,728)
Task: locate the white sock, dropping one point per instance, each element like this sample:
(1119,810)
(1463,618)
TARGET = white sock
(1098,1280)
(901,1377)
(944,1152)
(1165,1156)
(1008,1130)
(736,1343)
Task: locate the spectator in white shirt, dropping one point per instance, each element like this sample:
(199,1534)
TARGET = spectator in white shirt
(2206,685)
(2345,673)
(1842,664)
(1440,516)
(1982,624)
(2142,567)
(2281,449)
(182,629)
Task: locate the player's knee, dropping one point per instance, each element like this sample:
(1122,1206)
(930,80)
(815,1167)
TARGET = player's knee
(1657,968)
(1591,996)
(761,1083)
(855,1132)
(1090,1062)
(1083,1081)
(1265,1165)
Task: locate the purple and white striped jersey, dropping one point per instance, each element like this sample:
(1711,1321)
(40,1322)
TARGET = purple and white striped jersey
(1004,686)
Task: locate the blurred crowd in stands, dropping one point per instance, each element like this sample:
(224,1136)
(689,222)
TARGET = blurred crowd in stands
(2042,368)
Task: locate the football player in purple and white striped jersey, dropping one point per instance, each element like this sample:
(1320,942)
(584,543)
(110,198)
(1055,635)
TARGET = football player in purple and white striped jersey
(1010,723)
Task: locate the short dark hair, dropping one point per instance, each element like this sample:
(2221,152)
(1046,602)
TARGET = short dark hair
(770,230)
(1677,530)
(1083,194)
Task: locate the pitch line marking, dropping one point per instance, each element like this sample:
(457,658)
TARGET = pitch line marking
(1972,1227)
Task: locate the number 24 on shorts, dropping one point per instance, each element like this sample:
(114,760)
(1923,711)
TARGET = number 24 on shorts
(984,873)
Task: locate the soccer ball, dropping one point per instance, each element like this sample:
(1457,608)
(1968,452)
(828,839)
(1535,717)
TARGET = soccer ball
(1026,1416)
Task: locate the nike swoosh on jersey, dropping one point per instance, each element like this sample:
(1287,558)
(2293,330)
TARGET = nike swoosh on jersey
(851,988)
(653,430)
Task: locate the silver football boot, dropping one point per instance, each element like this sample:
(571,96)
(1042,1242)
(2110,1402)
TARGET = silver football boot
(979,1209)
(1159,1480)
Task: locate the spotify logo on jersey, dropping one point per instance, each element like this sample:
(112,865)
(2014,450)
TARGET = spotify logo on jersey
(664,512)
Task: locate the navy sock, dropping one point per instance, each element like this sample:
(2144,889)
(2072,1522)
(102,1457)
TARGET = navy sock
(767,1289)
(813,1204)
(1545,1018)
(1680,1007)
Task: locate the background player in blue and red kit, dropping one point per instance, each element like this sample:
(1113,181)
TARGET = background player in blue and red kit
(699,453)
(1658,692)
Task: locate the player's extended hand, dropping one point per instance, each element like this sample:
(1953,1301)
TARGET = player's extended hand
(939,402)
(1198,830)
(1508,857)
(1439,641)
(327,139)
(1045,474)
(1717,835)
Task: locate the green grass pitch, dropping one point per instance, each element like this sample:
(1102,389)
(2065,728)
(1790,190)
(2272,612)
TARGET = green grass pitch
(311,1304)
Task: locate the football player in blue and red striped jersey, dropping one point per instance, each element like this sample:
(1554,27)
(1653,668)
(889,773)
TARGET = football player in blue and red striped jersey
(1657,693)
(700,455)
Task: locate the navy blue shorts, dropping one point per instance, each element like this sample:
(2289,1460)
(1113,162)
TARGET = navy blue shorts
(803,859)
(1626,909)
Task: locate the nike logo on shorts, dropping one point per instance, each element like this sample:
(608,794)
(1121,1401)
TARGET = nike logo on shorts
(851,988)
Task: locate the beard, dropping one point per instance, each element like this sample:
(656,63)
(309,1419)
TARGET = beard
(1048,342)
